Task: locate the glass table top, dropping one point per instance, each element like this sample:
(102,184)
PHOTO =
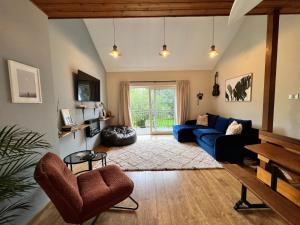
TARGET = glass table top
(84,156)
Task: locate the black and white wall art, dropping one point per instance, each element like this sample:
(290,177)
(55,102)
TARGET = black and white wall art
(239,89)
(25,83)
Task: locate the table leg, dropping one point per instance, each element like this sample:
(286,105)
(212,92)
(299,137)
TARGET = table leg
(90,165)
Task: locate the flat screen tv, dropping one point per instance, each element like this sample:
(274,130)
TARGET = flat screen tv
(87,87)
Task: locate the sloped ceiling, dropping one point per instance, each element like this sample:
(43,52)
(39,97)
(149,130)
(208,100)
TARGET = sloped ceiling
(141,39)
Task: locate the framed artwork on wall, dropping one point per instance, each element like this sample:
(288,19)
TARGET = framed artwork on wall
(68,121)
(239,89)
(25,83)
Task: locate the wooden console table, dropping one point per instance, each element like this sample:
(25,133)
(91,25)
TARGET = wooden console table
(278,155)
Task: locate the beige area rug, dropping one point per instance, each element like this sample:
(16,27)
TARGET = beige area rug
(160,154)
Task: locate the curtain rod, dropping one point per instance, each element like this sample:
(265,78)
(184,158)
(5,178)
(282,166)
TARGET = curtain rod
(152,81)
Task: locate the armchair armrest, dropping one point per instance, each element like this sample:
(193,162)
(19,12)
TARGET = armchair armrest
(190,122)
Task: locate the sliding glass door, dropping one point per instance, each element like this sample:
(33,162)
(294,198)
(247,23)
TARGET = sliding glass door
(153,108)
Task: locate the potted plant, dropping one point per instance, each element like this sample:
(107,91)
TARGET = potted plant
(19,152)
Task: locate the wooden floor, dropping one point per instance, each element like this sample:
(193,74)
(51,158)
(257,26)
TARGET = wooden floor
(197,197)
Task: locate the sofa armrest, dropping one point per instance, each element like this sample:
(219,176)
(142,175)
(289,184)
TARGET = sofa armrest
(229,148)
(190,122)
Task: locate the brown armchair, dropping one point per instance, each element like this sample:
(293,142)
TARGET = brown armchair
(80,198)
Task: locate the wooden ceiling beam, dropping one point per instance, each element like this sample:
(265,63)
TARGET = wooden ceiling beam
(270,71)
(155,8)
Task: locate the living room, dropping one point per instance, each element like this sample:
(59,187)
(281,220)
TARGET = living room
(182,100)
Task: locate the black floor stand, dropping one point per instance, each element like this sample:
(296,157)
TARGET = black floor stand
(120,207)
(243,203)
(128,208)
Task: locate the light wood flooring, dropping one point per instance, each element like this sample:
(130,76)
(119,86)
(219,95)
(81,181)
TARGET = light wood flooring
(198,197)
(190,197)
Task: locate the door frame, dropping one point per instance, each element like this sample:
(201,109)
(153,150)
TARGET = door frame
(156,85)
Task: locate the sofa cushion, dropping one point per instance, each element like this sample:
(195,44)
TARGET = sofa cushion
(178,128)
(203,132)
(210,139)
(247,124)
(222,124)
(212,120)
(234,128)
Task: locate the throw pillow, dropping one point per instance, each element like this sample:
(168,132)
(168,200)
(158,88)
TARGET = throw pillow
(234,128)
(202,120)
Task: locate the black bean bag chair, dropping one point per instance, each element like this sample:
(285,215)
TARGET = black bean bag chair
(118,136)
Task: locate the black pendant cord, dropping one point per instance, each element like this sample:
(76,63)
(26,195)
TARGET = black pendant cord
(164,30)
(114,31)
(213,31)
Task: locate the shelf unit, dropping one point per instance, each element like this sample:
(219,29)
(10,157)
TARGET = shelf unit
(73,131)
(84,107)
(106,118)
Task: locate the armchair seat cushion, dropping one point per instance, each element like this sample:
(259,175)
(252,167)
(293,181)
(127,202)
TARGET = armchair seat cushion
(102,188)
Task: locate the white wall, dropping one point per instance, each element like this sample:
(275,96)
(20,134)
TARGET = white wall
(73,49)
(199,81)
(287,112)
(246,54)
(25,38)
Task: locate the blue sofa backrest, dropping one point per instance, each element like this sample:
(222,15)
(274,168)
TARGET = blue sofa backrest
(222,124)
(212,119)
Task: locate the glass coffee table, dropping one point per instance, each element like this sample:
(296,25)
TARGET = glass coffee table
(88,156)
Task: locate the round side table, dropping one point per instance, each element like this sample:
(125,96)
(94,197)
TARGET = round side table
(85,156)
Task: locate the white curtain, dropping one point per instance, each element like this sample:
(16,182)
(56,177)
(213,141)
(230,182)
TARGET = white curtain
(182,100)
(124,117)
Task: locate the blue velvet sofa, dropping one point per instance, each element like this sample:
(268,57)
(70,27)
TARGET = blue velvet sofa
(213,140)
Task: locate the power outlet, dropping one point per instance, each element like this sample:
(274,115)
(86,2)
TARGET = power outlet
(291,97)
(296,96)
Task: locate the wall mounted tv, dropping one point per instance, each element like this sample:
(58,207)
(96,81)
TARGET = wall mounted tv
(87,87)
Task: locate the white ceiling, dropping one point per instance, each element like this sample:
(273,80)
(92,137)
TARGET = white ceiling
(141,39)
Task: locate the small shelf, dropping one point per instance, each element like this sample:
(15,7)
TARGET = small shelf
(67,133)
(85,107)
(106,118)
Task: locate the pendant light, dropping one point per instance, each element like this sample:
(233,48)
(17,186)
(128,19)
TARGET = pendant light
(213,52)
(115,52)
(164,52)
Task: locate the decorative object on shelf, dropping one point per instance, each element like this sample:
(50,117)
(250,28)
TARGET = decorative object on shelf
(115,52)
(239,89)
(216,88)
(102,112)
(199,97)
(108,113)
(25,83)
(19,152)
(164,52)
(213,52)
(68,121)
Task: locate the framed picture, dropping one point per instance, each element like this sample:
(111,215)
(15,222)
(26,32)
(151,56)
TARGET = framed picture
(68,121)
(25,83)
(239,89)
